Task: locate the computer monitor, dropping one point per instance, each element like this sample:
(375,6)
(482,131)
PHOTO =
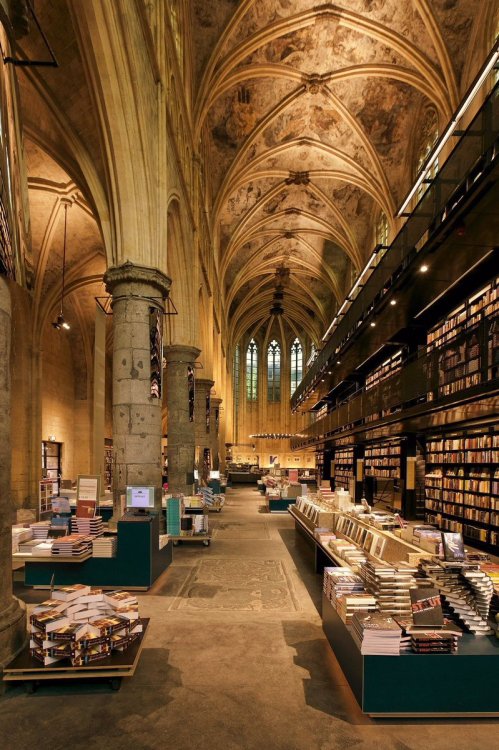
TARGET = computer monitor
(140,499)
(214,475)
(196,474)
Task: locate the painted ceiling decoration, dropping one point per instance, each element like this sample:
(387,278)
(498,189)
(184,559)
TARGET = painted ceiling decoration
(312,112)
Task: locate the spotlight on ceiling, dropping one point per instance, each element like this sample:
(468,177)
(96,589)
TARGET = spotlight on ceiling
(373,324)
(423,268)
(393,302)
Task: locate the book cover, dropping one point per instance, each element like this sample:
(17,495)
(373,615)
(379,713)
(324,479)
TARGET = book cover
(85,508)
(426,607)
(68,593)
(453,546)
(47,621)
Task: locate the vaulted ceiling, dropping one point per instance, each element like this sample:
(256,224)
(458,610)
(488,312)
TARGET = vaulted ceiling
(313,114)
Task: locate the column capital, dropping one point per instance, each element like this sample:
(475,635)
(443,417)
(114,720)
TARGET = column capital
(204,383)
(181,354)
(131,274)
(216,400)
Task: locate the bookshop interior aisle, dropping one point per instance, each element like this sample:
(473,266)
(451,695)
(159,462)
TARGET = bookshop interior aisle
(234,658)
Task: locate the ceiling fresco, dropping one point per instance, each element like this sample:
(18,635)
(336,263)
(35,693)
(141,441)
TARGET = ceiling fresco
(313,114)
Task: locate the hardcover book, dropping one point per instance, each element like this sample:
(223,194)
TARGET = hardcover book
(426,607)
(453,546)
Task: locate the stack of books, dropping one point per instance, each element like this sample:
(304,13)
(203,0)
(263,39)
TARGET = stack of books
(390,584)
(459,598)
(377,633)
(40,529)
(207,495)
(88,526)
(350,604)
(81,625)
(434,642)
(348,551)
(104,546)
(200,523)
(44,549)
(340,582)
(27,547)
(73,545)
(20,534)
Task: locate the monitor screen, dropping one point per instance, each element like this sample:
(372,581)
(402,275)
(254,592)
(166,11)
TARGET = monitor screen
(140,497)
(196,474)
(214,475)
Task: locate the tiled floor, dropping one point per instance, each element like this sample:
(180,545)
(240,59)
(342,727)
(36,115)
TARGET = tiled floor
(234,659)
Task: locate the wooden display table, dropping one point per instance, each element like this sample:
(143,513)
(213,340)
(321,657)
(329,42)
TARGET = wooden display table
(115,667)
(461,684)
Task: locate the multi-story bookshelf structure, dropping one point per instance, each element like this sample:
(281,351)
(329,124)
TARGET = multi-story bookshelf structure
(462,484)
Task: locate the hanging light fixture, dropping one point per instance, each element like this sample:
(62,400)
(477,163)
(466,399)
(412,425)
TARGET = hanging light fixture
(60,321)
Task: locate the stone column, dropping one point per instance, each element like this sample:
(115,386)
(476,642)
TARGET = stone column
(202,429)
(181,442)
(137,290)
(12,616)
(214,433)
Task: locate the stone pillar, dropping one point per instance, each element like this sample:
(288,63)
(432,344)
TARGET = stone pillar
(202,428)
(12,616)
(181,442)
(136,290)
(215,432)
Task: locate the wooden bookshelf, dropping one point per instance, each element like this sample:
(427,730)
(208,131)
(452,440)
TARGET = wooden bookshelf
(344,467)
(383,460)
(462,483)
(388,368)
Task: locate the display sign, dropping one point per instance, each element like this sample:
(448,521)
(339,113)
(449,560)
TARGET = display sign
(88,487)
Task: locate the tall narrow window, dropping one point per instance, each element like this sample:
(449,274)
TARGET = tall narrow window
(296,364)
(252,371)
(274,371)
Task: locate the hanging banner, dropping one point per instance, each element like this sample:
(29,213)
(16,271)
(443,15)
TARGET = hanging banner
(156,341)
(208,407)
(190,389)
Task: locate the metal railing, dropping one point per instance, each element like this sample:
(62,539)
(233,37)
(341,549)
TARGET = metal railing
(476,150)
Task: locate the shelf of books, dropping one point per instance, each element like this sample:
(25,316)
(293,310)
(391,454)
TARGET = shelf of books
(385,370)
(343,467)
(383,460)
(462,485)
(458,341)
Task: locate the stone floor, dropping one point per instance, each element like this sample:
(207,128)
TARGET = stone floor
(234,659)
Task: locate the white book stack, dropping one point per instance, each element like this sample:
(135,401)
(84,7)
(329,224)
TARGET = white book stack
(340,582)
(88,526)
(104,546)
(20,534)
(44,549)
(377,633)
(390,584)
(40,529)
(200,524)
(74,545)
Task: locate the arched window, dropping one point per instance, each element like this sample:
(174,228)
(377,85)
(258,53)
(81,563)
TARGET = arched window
(235,374)
(252,371)
(296,364)
(274,371)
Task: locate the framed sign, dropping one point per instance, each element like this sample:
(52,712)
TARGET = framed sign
(88,487)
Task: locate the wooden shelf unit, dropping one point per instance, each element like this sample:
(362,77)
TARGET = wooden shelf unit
(383,460)
(385,370)
(462,484)
(344,463)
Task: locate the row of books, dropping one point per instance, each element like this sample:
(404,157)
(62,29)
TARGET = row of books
(388,368)
(471,442)
(82,625)
(464,317)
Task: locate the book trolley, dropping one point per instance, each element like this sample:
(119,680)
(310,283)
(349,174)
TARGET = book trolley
(114,668)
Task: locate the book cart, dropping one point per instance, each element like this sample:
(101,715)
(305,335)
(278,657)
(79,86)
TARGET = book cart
(436,685)
(25,669)
(205,538)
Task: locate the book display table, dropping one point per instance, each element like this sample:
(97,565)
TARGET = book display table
(279,504)
(460,684)
(322,556)
(24,668)
(137,564)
